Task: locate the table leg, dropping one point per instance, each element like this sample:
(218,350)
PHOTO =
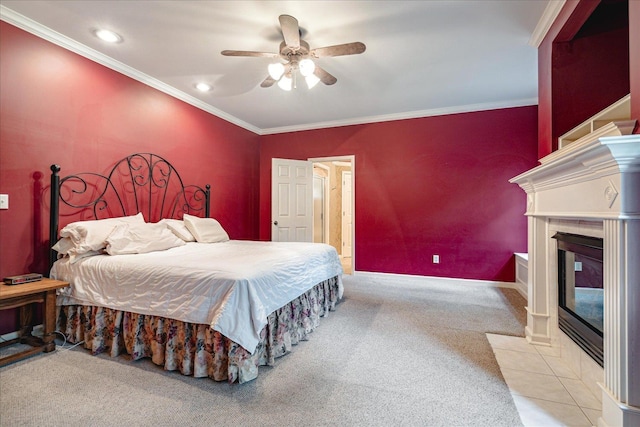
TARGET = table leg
(49,321)
(26,326)
(26,321)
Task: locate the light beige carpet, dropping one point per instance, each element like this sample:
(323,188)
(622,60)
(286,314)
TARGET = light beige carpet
(394,353)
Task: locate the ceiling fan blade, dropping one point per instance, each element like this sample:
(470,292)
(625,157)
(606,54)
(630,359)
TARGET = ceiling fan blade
(290,31)
(324,76)
(268,82)
(339,50)
(250,53)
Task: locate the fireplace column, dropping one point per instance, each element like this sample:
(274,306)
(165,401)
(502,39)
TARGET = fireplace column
(540,308)
(621,388)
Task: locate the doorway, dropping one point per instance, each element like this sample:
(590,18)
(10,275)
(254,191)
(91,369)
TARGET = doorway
(298,216)
(338,206)
(319,207)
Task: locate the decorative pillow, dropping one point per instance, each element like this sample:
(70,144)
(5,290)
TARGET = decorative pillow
(92,235)
(178,228)
(205,230)
(141,239)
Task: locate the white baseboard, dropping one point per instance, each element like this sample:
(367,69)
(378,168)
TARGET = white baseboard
(408,278)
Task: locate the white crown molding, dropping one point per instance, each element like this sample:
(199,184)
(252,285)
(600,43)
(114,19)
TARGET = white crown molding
(546,20)
(54,37)
(405,116)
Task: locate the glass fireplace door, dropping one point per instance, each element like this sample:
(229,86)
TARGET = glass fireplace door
(580,291)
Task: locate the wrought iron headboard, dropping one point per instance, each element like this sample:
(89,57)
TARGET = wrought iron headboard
(141,182)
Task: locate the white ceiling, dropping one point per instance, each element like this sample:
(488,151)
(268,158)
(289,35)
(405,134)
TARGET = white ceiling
(422,58)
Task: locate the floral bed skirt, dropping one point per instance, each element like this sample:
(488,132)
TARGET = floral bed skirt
(196,349)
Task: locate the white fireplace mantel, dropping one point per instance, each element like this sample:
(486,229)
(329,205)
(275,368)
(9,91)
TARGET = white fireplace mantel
(584,179)
(595,180)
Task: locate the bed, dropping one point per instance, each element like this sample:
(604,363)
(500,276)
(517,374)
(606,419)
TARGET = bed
(153,276)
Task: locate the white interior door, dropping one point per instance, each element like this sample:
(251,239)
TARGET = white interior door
(347,213)
(291,200)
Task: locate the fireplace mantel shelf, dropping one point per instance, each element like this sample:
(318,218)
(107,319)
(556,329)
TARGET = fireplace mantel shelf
(584,179)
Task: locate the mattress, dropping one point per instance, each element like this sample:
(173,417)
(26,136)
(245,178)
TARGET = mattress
(231,286)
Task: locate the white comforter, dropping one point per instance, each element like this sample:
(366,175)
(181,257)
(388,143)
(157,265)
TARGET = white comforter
(232,286)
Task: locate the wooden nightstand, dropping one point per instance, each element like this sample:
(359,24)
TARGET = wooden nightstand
(24,296)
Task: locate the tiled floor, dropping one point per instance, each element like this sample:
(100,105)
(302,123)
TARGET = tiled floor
(545,390)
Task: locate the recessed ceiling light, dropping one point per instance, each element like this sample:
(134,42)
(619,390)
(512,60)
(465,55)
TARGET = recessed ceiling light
(203,87)
(108,36)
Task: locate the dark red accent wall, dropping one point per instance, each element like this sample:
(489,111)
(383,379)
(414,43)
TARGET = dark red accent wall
(590,71)
(585,66)
(436,185)
(58,107)
(582,86)
(544,100)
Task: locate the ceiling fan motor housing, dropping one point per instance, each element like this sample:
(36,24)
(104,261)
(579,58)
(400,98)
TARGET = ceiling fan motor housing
(294,55)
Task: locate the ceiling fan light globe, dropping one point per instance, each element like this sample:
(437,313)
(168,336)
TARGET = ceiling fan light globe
(276,70)
(311,80)
(307,67)
(285,83)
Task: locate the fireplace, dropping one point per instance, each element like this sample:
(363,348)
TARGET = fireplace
(589,187)
(581,292)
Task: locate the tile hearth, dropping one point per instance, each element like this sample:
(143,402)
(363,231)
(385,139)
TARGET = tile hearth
(545,390)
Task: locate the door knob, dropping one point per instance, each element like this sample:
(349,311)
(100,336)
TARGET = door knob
(275,223)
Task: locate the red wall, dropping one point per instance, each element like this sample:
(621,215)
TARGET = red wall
(58,107)
(589,74)
(566,96)
(436,185)
(545,56)
(591,70)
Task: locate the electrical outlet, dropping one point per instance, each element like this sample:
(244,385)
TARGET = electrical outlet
(4,201)
(436,259)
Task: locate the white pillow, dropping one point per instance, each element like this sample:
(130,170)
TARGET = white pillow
(65,247)
(141,239)
(178,228)
(205,230)
(92,235)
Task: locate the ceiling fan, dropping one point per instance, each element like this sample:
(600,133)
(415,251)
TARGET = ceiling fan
(299,58)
